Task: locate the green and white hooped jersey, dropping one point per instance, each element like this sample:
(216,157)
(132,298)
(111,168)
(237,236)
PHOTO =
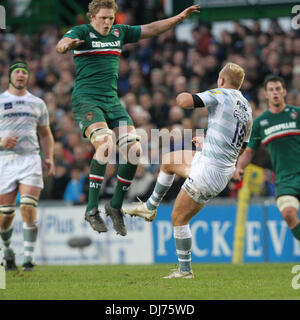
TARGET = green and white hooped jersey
(280,133)
(229,126)
(97,60)
(20,116)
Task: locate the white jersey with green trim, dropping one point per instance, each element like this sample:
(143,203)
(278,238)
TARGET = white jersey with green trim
(20,116)
(229,126)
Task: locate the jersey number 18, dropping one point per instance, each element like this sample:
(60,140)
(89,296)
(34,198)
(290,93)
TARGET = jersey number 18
(239,134)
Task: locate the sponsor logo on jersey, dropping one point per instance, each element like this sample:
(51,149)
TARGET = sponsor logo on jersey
(8,106)
(281,126)
(294,115)
(19,114)
(264,122)
(243,117)
(241,105)
(92,35)
(20,102)
(116,33)
(215,91)
(99,44)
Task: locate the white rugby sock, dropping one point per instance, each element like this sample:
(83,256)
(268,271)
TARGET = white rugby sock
(163,184)
(183,243)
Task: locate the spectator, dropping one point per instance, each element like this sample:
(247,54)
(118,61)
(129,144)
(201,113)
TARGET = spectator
(74,191)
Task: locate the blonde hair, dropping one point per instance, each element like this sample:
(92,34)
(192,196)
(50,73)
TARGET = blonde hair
(234,74)
(96,5)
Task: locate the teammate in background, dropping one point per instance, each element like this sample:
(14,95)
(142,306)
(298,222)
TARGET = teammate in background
(209,171)
(96,50)
(278,129)
(23,118)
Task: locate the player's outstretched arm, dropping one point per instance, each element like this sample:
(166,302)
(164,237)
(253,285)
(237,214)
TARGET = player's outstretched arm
(155,28)
(66,44)
(243,160)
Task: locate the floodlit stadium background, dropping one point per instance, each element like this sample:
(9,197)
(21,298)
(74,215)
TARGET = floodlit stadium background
(260,35)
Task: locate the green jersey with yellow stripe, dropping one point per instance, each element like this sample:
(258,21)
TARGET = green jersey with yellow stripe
(280,133)
(97,60)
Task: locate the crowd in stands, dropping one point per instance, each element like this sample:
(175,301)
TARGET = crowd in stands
(152,72)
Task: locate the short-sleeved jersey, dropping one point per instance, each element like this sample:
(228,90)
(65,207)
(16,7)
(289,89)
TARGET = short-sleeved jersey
(280,133)
(20,116)
(229,126)
(97,60)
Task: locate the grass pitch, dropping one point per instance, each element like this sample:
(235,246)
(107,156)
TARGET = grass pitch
(144,282)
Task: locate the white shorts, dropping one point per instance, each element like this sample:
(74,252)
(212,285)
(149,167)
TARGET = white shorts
(23,169)
(205,180)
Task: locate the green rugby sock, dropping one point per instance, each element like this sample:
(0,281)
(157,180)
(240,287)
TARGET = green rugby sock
(125,176)
(96,178)
(6,236)
(296,231)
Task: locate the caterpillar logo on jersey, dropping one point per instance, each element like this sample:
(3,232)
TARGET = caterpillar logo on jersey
(116,33)
(281,126)
(99,44)
(125,188)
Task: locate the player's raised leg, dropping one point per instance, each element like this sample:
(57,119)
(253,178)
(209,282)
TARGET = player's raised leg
(177,162)
(130,149)
(7,213)
(101,138)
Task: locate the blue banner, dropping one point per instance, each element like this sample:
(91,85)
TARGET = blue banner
(268,238)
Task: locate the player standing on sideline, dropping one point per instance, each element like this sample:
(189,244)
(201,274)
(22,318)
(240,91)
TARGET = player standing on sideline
(278,128)
(208,171)
(96,50)
(23,117)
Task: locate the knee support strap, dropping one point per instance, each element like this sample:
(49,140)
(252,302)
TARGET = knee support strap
(28,201)
(7,209)
(127,138)
(287,201)
(99,133)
